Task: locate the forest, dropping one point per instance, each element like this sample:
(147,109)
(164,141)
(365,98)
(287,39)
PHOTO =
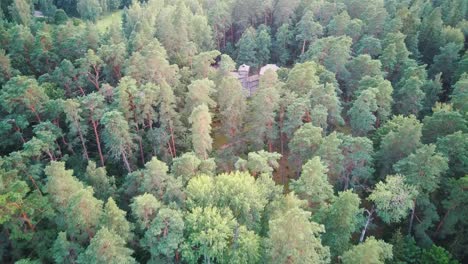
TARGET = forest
(229,131)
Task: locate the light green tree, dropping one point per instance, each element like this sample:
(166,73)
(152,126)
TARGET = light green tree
(247,48)
(165,235)
(313,184)
(117,137)
(106,247)
(293,238)
(371,251)
(393,198)
(113,218)
(341,219)
(201,129)
(210,231)
(89,9)
(308,30)
(144,209)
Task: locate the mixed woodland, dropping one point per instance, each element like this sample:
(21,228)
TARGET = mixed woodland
(126,137)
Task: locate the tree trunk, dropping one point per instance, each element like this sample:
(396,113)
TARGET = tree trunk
(173,142)
(98,142)
(125,160)
(369,220)
(410,228)
(85,150)
(303,47)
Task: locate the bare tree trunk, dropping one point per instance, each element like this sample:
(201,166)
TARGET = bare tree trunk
(369,220)
(98,142)
(85,150)
(173,142)
(303,47)
(410,228)
(125,160)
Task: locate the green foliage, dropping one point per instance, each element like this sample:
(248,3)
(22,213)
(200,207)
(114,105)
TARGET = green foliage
(114,219)
(437,255)
(117,137)
(313,184)
(405,249)
(393,198)
(371,251)
(455,148)
(144,209)
(247,48)
(293,237)
(392,136)
(165,234)
(263,43)
(444,121)
(201,129)
(89,9)
(305,143)
(20,11)
(103,185)
(341,219)
(106,247)
(210,232)
(179,155)
(423,169)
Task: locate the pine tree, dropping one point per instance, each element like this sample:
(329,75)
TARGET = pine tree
(371,251)
(20,11)
(341,219)
(165,235)
(89,9)
(144,209)
(106,247)
(393,198)
(362,118)
(313,184)
(64,251)
(201,130)
(283,40)
(263,43)
(247,48)
(200,92)
(232,106)
(210,230)
(117,137)
(398,131)
(358,161)
(73,111)
(292,237)
(304,144)
(444,121)
(113,218)
(103,184)
(460,93)
(308,30)
(93,103)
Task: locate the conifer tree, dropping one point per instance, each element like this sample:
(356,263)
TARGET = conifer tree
(313,184)
(292,237)
(263,44)
(247,48)
(201,130)
(308,29)
(106,247)
(232,106)
(165,235)
(371,251)
(117,137)
(113,218)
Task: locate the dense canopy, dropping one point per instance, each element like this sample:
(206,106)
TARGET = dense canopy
(229,131)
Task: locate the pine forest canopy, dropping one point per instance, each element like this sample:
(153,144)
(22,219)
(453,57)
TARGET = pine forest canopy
(131,131)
